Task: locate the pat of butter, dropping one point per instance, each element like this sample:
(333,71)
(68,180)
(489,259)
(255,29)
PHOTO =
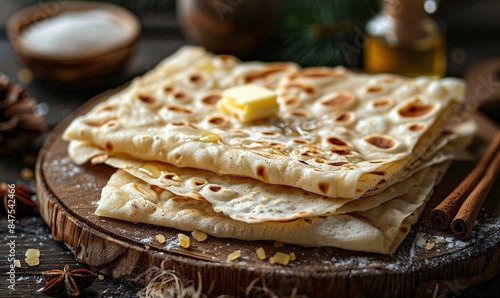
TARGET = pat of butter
(248,102)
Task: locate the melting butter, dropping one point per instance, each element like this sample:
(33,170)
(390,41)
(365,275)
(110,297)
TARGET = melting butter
(249,102)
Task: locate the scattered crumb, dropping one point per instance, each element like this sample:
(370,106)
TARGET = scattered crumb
(100,277)
(421,240)
(147,247)
(199,236)
(183,240)
(292,256)
(280,258)
(160,238)
(261,254)
(429,246)
(35,261)
(32,253)
(17,263)
(233,256)
(278,244)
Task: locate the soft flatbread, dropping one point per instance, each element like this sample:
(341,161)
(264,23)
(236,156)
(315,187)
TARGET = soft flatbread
(377,230)
(338,134)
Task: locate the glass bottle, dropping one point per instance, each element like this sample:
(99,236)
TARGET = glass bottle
(403,39)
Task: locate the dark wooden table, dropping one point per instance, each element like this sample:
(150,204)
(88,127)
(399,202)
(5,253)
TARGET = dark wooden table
(31,231)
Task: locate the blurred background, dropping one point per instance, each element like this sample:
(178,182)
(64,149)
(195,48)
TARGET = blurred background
(309,32)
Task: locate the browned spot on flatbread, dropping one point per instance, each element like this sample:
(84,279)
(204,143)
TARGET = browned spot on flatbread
(324,187)
(211,99)
(273,69)
(307,89)
(277,145)
(168,89)
(380,103)
(179,110)
(198,182)
(169,176)
(215,188)
(416,127)
(181,199)
(269,133)
(344,117)
(416,108)
(196,78)
(180,96)
(316,73)
(336,141)
(308,220)
(322,217)
(381,142)
(339,101)
(381,182)
(341,152)
(303,162)
(107,109)
(292,102)
(359,190)
(310,153)
(299,141)
(374,89)
(337,164)
(379,173)
(319,160)
(217,121)
(404,229)
(146,98)
(109,146)
(262,173)
(299,114)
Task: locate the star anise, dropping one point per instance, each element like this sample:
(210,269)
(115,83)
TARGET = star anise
(67,283)
(20,193)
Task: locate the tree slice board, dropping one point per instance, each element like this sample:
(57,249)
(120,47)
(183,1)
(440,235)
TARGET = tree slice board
(428,262)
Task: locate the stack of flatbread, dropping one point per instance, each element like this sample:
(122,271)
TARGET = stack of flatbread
(349,160)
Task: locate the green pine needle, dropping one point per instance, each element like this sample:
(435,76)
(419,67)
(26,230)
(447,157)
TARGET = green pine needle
(313,31)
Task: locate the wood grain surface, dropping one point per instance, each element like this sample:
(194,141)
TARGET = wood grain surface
(427,262)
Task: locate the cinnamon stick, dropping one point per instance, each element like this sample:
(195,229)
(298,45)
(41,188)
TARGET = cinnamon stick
(466,216)
(443,214)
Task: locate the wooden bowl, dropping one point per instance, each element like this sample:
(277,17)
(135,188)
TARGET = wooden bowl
(92,69)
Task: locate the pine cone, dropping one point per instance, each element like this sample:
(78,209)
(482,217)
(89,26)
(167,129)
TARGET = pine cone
(19,125)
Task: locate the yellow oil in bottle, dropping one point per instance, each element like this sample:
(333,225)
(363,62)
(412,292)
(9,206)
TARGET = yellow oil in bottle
(403,39)
(423,58)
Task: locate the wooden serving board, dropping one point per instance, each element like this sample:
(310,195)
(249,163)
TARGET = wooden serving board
(428,262)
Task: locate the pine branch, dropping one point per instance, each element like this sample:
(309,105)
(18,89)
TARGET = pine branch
(312,31)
